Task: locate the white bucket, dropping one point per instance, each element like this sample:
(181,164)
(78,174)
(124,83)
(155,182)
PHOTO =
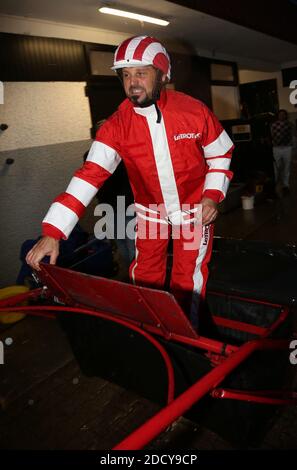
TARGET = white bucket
(247,202)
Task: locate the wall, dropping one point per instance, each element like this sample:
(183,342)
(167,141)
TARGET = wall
(50,29)
(44,113)
(26,189)
(225,102)
(247,76)
(38,27)
(47,136)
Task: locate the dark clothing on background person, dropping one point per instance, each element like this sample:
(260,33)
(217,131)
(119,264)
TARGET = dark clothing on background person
(282,133)
(282,141)
(118,185)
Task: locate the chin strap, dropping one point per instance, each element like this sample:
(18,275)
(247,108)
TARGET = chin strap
(159,115)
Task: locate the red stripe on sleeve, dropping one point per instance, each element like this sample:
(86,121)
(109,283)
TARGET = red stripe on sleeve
(214,194)
(49,230)
(227,155)
(71,202)
(93,174)
(228,173)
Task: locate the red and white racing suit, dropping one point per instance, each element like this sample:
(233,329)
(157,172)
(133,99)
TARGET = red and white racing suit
(174,155)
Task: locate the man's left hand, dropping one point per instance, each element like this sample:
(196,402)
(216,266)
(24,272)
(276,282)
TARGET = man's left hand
(209,211)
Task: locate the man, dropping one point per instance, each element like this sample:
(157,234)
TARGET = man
(282,141)
(177,155)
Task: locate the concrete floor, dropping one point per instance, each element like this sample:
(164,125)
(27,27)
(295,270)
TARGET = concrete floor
(46,402)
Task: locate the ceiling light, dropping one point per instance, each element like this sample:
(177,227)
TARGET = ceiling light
(133,16)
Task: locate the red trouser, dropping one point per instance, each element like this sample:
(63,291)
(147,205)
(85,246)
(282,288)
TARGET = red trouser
(189,269)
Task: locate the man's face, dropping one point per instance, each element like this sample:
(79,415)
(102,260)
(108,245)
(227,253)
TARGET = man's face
(139,83)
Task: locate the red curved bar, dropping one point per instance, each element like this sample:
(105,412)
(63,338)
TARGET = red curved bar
(38,310)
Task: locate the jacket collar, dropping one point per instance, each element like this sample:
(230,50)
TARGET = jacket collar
(151,110)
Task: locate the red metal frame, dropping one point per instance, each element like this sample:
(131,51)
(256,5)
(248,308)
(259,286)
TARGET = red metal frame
(39,311)
(148,318)
(238,325)
(244,299)
(160,421)
(267,397)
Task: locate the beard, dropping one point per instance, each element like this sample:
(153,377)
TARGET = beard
(139,99)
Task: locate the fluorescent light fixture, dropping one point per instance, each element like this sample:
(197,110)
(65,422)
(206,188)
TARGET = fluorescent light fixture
(133,16)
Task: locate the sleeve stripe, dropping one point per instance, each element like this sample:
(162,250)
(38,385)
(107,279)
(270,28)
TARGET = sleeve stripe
(218,181)
(81,190)
(71,202)
(219,163)
(214,194)
(215,158)
(61,217)
(93,174)
(218,147)
(226,172)
(104,156)
(51,231)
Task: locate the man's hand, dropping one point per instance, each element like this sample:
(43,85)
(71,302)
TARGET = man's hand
(209,210)
(46,246)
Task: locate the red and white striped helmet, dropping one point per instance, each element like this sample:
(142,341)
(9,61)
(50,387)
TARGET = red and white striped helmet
(142,50)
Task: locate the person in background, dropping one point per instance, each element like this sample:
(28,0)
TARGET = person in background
(282,143)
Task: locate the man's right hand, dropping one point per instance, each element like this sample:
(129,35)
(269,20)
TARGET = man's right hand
(46,246)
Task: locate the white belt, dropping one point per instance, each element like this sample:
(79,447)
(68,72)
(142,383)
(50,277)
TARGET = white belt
(178,217)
